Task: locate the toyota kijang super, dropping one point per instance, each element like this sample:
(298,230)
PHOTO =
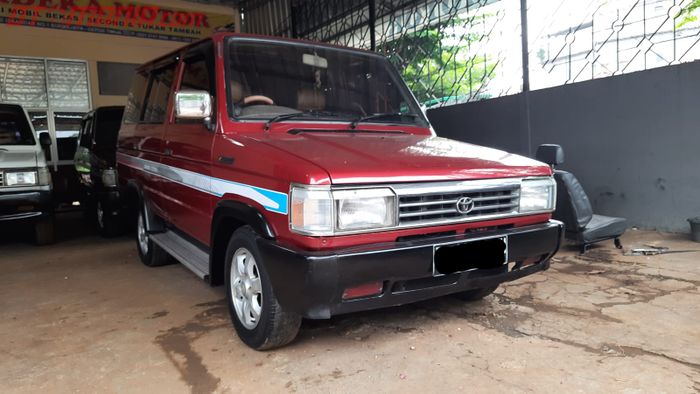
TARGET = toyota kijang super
(306,179)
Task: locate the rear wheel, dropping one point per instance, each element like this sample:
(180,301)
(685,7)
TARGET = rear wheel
(475,294)
(260,321)
(44,231)
(151,254)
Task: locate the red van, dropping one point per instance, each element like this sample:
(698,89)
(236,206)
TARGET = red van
(306,179)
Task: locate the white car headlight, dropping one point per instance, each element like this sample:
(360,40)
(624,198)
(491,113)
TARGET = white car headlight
(538,195)
(327,212)
(365,209)
(44,176)
(20,178)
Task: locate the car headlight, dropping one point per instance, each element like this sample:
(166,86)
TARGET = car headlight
(537,195)
(44,176)
(20,178)
(328,212)
(109,177)
(364,209)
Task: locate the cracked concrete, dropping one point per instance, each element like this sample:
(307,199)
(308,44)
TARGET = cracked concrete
(85,315)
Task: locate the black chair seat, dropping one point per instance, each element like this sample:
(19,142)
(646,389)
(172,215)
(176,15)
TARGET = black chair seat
(574,208)
(601,228)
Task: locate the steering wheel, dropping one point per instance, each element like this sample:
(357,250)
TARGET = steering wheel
(257,99)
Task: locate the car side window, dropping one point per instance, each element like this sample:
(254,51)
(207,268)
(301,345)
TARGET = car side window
(198,73)
(156,105)
(134,101)
(86,133)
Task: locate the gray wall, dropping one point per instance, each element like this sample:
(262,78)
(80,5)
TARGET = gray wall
(632,140)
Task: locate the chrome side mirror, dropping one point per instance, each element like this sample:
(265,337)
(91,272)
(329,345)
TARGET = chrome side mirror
(192,104)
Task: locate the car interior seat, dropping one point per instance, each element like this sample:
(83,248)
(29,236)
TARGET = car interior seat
(311,100)
(574,208)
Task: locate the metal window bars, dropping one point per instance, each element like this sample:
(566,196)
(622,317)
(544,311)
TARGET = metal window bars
(454,51)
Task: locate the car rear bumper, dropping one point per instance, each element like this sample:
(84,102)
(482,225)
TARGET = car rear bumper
(21,205)
(312,283)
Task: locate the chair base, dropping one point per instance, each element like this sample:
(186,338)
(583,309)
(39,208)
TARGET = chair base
(583,248)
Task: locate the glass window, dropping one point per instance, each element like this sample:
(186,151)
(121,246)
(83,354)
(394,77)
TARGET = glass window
(134,101)
(158,94)
(86,133)
(196,75)
(68,85)
(114,78)
(23,81)
(67,132)
(268,79)
(14,127)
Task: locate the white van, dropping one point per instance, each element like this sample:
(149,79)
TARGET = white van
(25,180)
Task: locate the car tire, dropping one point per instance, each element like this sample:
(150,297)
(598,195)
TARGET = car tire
(44,231)
(475,294)
(151,255)
(260,321)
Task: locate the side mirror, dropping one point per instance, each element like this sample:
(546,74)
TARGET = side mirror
(44,140)
(192,104)
(551,154)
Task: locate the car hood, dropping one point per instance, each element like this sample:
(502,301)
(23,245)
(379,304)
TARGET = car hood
(361,157)
(18,156)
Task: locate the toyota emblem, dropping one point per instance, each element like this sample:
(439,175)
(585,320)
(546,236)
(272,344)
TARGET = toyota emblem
(465,205)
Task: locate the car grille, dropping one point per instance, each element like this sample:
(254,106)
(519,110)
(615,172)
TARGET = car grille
(425,208)
(2,179)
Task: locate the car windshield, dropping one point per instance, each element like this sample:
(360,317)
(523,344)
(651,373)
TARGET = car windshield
(14,127)
(268,79)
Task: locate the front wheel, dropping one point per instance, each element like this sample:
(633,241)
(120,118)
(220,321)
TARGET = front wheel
(260,321)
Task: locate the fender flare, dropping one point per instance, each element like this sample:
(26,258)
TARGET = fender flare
(153,223)
(243,213)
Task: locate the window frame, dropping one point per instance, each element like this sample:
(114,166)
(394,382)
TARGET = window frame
(161,65)
(204,50)
(420,120)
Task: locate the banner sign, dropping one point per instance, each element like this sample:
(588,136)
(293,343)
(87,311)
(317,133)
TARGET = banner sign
(127,18)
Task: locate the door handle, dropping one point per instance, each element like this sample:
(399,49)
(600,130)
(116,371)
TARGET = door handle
(226,160)
(168,152)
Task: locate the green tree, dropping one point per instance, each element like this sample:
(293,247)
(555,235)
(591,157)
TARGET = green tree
(687,14)
(439,63)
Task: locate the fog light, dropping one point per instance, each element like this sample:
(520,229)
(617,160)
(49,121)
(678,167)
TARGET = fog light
(365,290)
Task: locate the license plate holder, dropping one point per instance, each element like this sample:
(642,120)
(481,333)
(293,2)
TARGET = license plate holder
(463,256)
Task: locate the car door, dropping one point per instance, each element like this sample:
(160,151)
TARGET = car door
(147,136)
(187,151)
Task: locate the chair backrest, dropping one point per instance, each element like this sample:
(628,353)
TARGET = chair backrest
(551,154)
(573,206)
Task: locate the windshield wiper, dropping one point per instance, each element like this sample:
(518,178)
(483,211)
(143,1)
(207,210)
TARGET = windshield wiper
(380,116)
(293,115)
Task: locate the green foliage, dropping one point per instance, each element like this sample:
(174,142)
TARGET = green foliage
(687,15)
(438,63)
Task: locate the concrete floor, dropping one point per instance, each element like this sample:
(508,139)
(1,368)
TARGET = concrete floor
(85,315)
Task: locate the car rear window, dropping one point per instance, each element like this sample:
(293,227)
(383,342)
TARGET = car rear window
(14,127)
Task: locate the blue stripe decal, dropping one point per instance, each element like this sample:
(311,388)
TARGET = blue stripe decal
(271,200)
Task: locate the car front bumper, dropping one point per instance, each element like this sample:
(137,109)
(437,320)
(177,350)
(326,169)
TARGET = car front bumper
(20,205)
(312,283)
